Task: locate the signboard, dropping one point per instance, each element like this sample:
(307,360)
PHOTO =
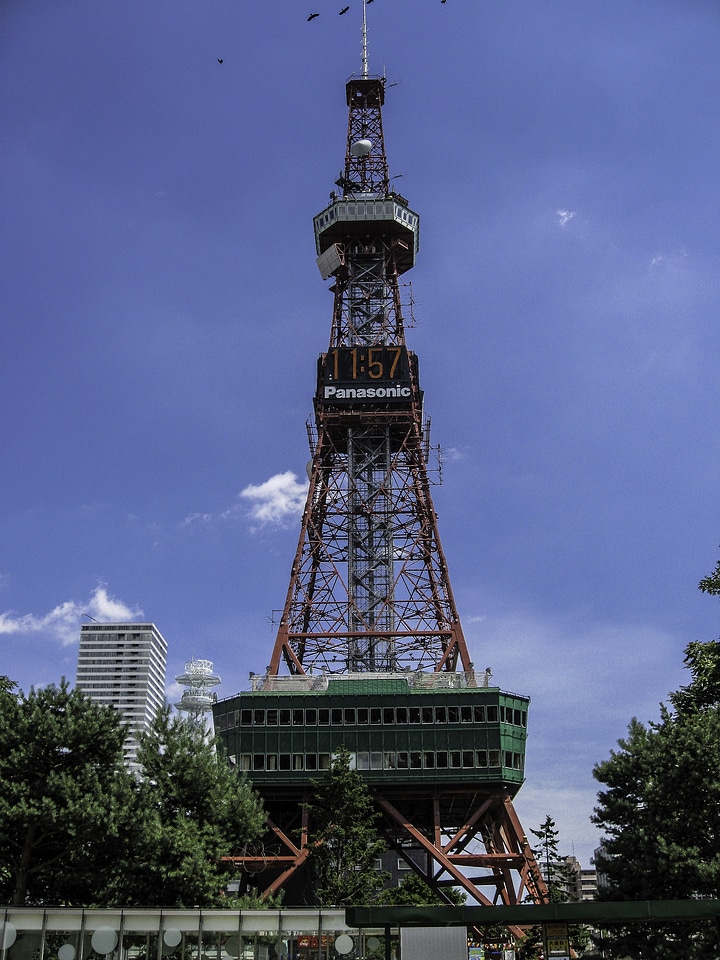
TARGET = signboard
(365,374)
(557,941)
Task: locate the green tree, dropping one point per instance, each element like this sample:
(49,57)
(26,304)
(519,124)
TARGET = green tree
(553,867)
(660,811)
(343,839)
(415,891)
(63,783)
(560,879)
(189,808)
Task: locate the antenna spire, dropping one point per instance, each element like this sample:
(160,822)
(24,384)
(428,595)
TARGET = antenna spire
(364,41)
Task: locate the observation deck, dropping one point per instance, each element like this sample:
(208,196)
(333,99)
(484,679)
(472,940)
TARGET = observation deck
(400,729)
(354,217)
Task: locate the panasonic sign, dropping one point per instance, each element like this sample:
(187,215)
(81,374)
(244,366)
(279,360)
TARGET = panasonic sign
(395,391)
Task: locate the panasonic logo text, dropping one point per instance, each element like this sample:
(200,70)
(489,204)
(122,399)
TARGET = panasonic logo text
(396,392)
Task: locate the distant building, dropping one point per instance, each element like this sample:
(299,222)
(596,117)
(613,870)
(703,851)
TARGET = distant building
(581,884)
(122,665)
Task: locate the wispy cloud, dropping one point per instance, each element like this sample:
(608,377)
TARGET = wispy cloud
(564,216)
(63,621)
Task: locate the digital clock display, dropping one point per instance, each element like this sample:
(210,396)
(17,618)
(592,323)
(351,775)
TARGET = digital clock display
(364,373)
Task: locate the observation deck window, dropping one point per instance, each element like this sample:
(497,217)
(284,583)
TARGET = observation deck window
(427,715)
(440,714)
(310,718)
(284,718)
(298,718)
(375,715)
(349,716)
(363,715)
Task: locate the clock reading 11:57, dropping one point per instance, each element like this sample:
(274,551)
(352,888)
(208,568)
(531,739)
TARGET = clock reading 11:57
(363,363)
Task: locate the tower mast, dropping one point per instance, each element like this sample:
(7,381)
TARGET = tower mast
(369,588)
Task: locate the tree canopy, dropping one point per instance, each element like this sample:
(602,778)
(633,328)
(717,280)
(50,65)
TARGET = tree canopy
(61,767)
(660,809)
(77,828)
(187,810)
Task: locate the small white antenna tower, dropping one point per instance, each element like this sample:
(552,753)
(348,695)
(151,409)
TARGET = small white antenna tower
(364,41)
(197,700)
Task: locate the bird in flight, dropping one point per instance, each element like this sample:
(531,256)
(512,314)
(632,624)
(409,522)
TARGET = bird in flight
(312,16)
(220,60)
(344,10)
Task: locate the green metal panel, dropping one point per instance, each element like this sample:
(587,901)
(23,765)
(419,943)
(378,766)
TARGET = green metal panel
(396,733)
(528,914)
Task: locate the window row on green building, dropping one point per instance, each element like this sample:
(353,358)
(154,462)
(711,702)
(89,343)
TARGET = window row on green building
(369,716)
(376,760)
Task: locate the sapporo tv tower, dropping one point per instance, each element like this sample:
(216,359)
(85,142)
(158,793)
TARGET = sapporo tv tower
(370,653)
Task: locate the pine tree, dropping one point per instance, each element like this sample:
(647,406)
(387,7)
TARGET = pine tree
(343,839)
(660,810)
(560,879)
(189,809)
(63,786)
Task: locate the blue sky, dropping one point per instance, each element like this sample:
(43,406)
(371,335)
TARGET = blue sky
(162,314)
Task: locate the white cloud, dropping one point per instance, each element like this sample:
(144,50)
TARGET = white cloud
(63,621)
(279,499)
(564,216)
(276,501)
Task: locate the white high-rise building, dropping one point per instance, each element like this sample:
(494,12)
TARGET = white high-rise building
(122,665)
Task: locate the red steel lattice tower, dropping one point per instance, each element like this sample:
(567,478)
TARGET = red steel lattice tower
(369,589)
(370,654)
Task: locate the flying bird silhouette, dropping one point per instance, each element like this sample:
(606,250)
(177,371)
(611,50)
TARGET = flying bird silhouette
(312,16)
(344,10)
(220,60)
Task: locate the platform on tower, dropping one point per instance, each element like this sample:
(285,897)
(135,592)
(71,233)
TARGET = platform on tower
(437,728)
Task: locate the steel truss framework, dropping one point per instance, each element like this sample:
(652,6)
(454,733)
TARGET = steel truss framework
(448,825)
(369,589)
